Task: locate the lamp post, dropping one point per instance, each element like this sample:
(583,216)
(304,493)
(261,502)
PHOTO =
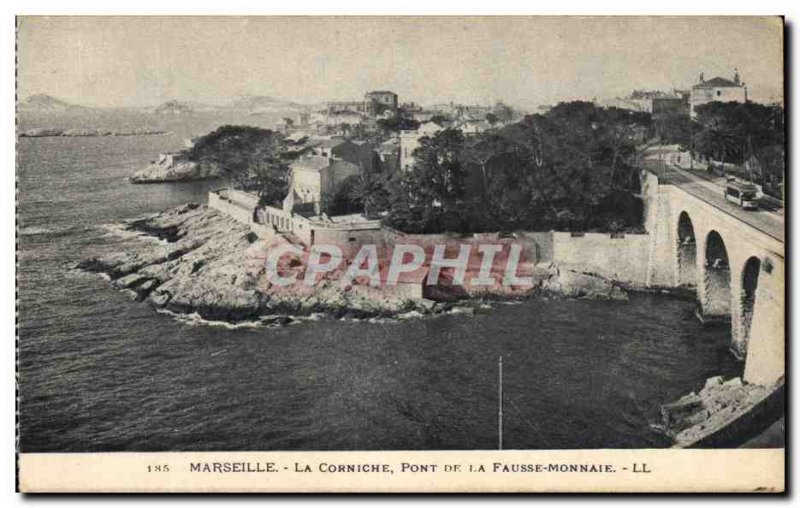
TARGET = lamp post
(500,403)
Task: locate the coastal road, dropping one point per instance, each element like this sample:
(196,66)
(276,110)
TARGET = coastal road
(656,160)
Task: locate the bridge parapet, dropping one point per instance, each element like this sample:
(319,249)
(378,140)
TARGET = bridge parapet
(736,268)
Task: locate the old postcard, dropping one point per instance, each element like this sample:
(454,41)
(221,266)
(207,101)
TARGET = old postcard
(400,254)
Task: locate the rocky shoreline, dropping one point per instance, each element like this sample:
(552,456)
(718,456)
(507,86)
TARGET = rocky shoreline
(212,265)
(202,266)
(181,171)
(207,263)
(723,413)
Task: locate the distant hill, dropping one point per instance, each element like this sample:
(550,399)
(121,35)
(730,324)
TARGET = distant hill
(243,105)
(43,103)
(262,104)
(175,107)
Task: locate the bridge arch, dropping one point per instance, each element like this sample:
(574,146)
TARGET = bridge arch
(687,252)
(749,287)
(716,277)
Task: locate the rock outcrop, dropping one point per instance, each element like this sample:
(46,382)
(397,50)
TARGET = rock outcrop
(723,412)
(574,284)
(212,265)
(208,263)
(164,171)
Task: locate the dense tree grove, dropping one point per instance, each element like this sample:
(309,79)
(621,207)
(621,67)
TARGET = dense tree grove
(396,124)
(567,169)
(570,169)
(255,159)
(734,132)
(365,193)
(674,127)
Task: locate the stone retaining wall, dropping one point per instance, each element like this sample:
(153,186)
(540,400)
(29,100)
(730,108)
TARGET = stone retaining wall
(622,258)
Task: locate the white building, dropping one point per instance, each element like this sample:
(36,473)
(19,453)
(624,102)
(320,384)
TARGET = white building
(315,179)
(717,90)
(409,141)
(470,127)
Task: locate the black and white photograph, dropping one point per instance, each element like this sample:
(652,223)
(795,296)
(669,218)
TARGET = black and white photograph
(400,234)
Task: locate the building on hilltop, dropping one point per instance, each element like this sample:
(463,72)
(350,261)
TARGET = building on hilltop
(472,127)
(409,141)
(677,103)
(651,101)
(389,154)
(717,90)
(341,107)
(374,104)
(317,176)
(356,152)
(380,101)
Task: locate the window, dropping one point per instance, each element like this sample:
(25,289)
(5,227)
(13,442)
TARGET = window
(719,92)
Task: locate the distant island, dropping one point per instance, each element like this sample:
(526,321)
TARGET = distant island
(75,133)
(176,107)
(243,105)
(175,167)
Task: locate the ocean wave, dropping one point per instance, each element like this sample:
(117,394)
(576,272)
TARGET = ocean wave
(195,319)
(121,230)
(34,230)
(41,230)
(83,274)
(264,322)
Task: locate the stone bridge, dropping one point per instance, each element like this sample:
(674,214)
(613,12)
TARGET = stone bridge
(733,259)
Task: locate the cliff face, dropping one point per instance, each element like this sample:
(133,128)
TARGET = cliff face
(179,171)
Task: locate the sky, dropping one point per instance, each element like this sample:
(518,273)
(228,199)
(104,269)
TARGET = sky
(525,61)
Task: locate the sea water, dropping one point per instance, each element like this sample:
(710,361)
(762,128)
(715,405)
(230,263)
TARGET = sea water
(99,371)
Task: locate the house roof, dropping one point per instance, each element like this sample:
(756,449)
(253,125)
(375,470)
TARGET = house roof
(349,113)
(312,162)
(483,123)
(338,164)
(717,82)
(426,127)
(296,136)
(330,143)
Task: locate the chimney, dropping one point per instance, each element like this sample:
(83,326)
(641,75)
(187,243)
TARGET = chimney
(736,78)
